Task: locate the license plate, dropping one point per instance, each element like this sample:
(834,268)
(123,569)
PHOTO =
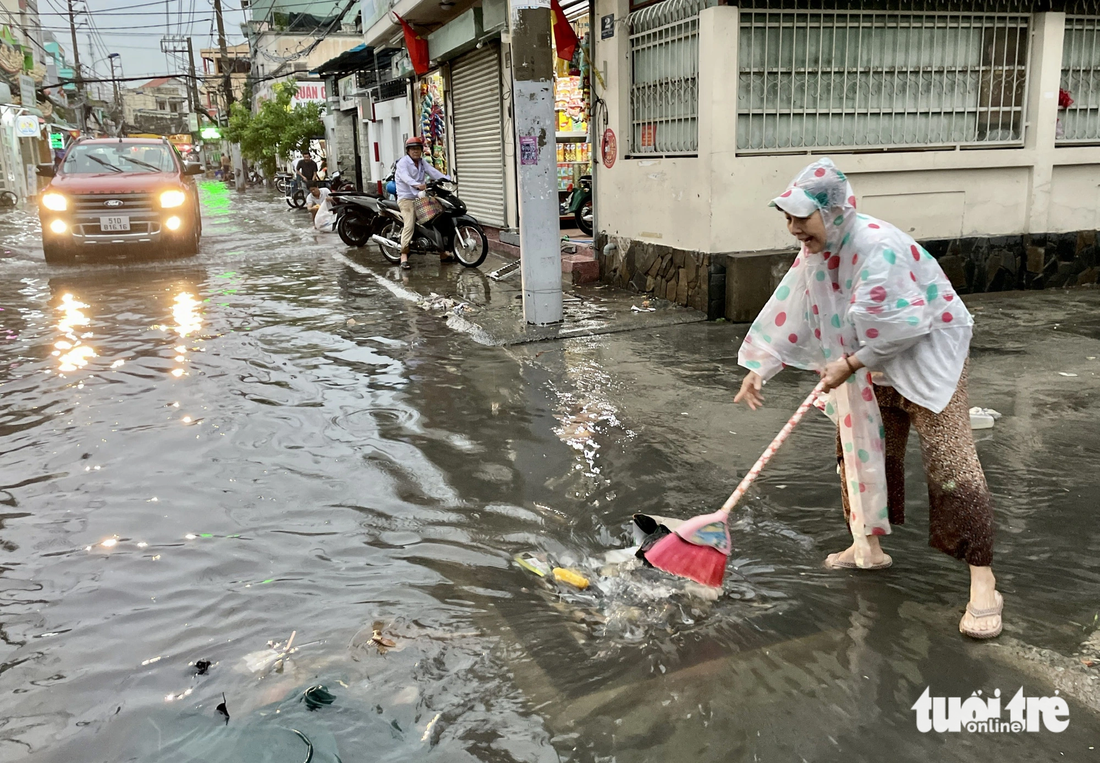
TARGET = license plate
(113,224)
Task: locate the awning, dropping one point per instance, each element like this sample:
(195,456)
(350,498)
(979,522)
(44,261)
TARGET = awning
(61,124)
(358,58)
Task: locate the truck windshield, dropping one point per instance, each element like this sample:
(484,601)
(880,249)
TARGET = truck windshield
(117,157)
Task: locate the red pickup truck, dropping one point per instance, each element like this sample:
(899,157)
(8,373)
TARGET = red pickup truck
(116,192)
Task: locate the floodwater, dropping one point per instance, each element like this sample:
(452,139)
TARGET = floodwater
(202,457)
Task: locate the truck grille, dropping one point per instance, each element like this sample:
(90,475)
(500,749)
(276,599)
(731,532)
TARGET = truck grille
(96,203)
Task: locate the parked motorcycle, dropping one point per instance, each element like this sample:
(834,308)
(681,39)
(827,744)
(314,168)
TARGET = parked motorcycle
(282,180)
(356,213)
(469,242)
(579,205)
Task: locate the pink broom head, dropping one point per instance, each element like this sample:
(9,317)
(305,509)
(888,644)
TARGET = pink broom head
(676,556)
(708,530)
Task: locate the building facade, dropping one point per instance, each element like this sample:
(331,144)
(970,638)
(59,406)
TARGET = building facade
(974,127)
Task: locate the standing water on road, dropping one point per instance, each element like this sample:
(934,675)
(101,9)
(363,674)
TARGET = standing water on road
(204,457)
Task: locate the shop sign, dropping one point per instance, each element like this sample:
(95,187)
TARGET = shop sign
(309,92)
(607,26)
(649,138)
(192,122)
(609,148)
(57,141)
(528,150)
(26,126)
(26,91)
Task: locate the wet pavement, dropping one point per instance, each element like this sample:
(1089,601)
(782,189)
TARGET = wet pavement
(281,436)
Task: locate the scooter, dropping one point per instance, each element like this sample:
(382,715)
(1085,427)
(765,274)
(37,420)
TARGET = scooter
(579,205)
(468,241)
(356,213)
(296,198)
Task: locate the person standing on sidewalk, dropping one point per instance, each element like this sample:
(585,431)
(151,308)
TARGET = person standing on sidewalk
(873,313)
(410,177)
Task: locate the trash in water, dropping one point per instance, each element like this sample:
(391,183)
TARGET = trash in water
(533,563)
(574,579)
(983,418)
(201,666)
(223,709)
(636,309)
(379,640)
(275,654)
(1063,373)
(317,697)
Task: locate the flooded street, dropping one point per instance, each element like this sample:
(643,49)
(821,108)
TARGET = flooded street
(202,457)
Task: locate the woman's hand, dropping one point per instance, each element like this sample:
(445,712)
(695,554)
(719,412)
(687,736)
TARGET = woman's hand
(837,372)
(750,391)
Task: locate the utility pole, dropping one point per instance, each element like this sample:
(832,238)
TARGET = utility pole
(193,88)
(536,128)
(76,67)
(227,85)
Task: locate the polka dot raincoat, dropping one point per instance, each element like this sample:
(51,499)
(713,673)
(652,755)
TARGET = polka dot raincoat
(873,287)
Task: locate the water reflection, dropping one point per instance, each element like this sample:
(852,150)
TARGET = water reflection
(71,352)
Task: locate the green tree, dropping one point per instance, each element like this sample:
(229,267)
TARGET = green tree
(270,134)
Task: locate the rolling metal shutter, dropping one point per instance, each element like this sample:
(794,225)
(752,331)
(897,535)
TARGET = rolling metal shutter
(478,133)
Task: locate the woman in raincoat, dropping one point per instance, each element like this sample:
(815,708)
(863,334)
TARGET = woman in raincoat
(872,312)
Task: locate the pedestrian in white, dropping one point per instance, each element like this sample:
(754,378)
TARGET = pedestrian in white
(320,208)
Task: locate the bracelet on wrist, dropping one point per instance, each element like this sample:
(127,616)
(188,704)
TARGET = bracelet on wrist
(848,362)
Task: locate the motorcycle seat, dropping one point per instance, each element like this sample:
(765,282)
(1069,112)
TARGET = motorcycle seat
(389,204)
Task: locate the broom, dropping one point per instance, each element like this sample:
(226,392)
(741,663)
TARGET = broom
(698,548)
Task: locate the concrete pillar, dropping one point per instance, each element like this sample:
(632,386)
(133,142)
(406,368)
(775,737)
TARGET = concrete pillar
(719,35)
(1042,114)
(536,141)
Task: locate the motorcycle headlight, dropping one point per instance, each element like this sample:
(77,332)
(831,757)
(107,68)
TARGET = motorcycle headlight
(170,199)
(55,202)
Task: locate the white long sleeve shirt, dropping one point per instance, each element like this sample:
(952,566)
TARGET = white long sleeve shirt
(410,174)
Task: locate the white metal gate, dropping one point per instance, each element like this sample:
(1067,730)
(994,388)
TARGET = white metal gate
(478,133)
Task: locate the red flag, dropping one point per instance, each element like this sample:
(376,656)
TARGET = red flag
(565,39)
(417,46)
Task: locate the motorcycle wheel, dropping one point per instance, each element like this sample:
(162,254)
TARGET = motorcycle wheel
(280,186)
(391,231)
(583,217)
(354,229)
(471,245)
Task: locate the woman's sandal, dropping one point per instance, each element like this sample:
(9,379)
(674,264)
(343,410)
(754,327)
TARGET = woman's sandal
(832,562)
(405,265)
(978,614)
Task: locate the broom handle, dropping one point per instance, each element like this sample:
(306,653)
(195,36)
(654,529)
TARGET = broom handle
(761,462)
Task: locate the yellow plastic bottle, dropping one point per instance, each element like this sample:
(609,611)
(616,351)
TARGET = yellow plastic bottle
(572,578)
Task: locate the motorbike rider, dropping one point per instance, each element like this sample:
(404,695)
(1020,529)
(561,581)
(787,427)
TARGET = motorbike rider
(411,178)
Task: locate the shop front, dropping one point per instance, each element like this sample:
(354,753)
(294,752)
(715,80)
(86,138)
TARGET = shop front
(431,118)
(476,92)
(571,104)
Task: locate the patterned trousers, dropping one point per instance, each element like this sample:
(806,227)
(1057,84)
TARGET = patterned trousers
(959,502)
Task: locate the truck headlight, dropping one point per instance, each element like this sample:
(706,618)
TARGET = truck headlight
(170,199)
(55,202)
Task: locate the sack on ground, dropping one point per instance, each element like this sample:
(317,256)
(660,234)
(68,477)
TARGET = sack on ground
(427,208)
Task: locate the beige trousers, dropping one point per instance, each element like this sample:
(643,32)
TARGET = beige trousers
(408,216)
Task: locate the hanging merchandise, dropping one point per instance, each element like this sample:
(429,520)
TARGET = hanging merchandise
(571,104)
(433,120)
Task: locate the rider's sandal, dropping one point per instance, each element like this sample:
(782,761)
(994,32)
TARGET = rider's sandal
(405,265)
(979,614)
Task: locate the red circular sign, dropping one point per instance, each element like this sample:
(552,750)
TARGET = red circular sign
(609,148)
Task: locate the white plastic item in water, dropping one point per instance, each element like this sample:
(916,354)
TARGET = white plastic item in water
(983,418)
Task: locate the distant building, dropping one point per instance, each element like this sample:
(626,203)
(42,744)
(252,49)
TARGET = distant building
(238,64)
(159,106)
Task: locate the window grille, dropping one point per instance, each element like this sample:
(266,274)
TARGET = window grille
(880,80)
(1080,121)
(664,91)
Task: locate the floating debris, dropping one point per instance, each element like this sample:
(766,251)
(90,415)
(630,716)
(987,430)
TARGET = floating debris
(223,709)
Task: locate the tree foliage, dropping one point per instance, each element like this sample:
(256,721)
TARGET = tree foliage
(270,134)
